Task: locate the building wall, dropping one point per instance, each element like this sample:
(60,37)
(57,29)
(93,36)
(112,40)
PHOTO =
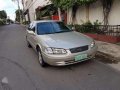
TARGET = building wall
(31,13)
(31,5)
(114,18)
(81,15)
(96,13)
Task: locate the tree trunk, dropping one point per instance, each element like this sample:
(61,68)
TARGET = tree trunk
(19,11)
(87,12)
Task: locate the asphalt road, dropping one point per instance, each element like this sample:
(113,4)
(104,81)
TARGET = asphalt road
(20,70)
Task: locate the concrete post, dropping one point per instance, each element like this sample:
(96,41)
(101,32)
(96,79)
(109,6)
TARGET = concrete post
(59,13)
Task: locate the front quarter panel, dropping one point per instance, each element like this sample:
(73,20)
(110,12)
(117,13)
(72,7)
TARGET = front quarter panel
(41,43)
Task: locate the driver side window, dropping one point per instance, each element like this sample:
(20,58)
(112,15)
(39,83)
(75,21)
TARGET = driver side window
(29,27)
(33,29)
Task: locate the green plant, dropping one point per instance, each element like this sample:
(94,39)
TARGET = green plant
(97,23)
(3,14)
(87,27)
(107,5)
(2,21)
(25,22)
(19,15)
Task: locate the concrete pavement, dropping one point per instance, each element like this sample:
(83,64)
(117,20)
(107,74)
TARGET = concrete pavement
(109,50)
(20,66)
(110,54)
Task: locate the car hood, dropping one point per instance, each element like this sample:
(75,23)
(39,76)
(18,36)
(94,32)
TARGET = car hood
(66,40)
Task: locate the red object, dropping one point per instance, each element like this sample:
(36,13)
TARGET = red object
(105,38)
(55,17)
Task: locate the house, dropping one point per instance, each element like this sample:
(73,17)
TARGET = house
(29,7)
(94,13)
(32,8)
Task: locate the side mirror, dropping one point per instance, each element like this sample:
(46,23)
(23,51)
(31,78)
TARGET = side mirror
(29,28)
(33,29)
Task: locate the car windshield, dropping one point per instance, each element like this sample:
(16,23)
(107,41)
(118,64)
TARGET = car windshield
(51,28)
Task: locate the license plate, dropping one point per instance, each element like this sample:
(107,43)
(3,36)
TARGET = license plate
(80,57)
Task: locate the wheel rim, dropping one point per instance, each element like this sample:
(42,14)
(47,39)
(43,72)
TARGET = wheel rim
(40,57)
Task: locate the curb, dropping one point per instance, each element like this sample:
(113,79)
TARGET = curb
(108,51)
(106,58)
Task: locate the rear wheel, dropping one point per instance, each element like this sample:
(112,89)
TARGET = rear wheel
(40,58)
(28,44)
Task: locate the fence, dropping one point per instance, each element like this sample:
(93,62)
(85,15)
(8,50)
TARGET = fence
(112,30)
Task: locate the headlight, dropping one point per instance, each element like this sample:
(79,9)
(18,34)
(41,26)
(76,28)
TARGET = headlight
(55,51)
(92,44)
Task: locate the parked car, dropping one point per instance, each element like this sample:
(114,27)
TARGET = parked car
(58,45)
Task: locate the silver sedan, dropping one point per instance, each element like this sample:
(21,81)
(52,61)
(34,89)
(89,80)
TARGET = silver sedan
(57,44)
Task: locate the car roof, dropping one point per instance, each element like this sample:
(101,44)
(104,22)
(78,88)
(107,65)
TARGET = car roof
(41,21)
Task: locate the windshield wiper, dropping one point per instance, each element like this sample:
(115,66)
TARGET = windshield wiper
(63,31)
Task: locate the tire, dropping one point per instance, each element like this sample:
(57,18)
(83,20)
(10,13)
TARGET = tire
(41,60)
(28,44)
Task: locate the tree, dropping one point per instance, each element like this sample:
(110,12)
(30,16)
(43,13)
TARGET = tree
(74,4)
(18,15)
(3,14)
(107,5)
(3,17)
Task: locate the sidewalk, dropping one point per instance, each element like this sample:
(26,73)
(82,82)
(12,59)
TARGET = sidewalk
(108,51)
(110,54)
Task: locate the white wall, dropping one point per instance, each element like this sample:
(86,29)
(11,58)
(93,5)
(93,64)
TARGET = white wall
(32,5)
(96,13)
(114,18)
(81,15)
(31,13)
(39,3)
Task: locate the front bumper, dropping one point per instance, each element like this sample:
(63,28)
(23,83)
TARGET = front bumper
(69,58)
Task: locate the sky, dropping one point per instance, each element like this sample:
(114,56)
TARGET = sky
(10,7)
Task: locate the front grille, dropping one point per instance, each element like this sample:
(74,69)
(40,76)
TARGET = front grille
(79,49)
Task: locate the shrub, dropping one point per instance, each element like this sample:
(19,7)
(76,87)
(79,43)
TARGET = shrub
(87,27)
(2,22)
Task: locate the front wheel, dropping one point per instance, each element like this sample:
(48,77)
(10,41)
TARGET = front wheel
(40,58)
